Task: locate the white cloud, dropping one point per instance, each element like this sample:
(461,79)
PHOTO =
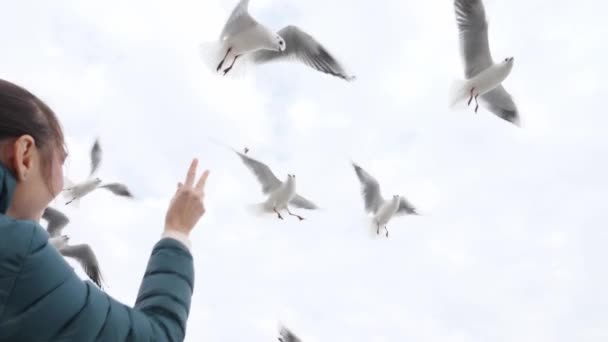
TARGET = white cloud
(512,240)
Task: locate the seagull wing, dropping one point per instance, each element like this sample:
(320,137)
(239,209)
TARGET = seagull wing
(405,207)
(500,102)
(370,190)
(303,47)
(118,189)
(239,20)
(288,336)
(473,32)
(263,173)
(301,202)
(85,256)
(95,157)
(56,221)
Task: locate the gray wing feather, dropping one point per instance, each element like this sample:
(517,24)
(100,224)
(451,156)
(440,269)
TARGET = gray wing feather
(56,221)
(406,208)
(263,173)
(95,157)
(500,102)
(86,257)
(288,336)
(473,32)
(303,47)
(118,189)
(301,202)
(370,189)
(238,21)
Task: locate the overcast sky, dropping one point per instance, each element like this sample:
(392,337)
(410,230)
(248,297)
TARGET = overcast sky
(512,243)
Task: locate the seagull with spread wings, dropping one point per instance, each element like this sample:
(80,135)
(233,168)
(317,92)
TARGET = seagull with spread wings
(244,36)
(375,204)
(74,192)
(280,194)
(483,76)
(82,253)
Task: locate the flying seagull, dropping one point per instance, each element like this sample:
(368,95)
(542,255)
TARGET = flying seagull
(483,76)
(382,209)
(242,35)
(74,192)
(81,253)
(287,336)
(280,194)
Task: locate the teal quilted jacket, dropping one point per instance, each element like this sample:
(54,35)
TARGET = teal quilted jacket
(42,299)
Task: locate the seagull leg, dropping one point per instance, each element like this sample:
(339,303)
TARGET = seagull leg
(231,65)
(386,231)
(292,214)
(278,213)
(476,103)
(378,228)
(219,66)
(471,98)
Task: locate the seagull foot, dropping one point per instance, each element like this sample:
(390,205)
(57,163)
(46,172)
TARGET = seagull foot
(471,98)
(219,66)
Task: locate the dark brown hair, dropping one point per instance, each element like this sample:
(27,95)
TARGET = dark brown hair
(21,112)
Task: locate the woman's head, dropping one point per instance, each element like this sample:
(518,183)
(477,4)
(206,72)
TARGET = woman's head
(32,148)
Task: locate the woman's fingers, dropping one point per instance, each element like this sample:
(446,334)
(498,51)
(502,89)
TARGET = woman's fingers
(191,174)
(200,185)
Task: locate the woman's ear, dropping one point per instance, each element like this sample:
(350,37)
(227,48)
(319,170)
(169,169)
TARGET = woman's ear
(23,158)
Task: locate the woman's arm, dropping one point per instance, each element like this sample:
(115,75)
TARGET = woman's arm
(42,299)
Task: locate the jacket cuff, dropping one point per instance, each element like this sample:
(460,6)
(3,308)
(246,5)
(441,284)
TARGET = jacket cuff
(179,236)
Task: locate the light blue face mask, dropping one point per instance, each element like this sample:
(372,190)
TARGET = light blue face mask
(7,187)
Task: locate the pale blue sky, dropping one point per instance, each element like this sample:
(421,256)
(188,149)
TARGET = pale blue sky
(512,243)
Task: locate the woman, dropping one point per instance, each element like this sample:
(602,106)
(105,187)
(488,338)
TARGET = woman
(41,298)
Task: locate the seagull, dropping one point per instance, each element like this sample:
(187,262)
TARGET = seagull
(280,194)
(242,35)
(287,336)
(483,76)
(76,191)
(81,253)
(382,209)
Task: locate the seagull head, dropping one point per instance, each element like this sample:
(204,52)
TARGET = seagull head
(509,60)
(395,197)
(280,43)
(291,178)
(62,241)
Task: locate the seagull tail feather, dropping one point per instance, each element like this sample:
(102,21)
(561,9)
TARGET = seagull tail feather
(257,209)
(458,94)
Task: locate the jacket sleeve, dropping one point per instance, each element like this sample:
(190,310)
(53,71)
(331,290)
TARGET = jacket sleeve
(42,298)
